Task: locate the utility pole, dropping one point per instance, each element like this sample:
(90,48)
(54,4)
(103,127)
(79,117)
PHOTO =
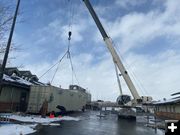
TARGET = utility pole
(2,69)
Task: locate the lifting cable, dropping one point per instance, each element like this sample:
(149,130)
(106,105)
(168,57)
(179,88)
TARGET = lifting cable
(133,75)
(73,71)
(70,59)
(58,67)
(71,15)
(53,65)
(69,34)
(68,53)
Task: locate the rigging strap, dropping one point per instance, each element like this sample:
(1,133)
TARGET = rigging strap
(70,59)
(53,65)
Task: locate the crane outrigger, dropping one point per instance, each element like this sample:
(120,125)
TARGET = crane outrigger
(138,100)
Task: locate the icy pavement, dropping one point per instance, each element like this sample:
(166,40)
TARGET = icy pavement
(16,129)
(90,124)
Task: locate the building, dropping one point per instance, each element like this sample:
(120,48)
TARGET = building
(23,92)
(168,109)
(57,99)
(16,84)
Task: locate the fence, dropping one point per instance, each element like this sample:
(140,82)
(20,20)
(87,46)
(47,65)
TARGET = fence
(4,118)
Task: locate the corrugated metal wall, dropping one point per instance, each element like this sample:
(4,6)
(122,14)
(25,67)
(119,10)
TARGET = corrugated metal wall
(71,100)
(10,98)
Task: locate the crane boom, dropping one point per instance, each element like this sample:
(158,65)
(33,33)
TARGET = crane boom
(113,52)
(118,80)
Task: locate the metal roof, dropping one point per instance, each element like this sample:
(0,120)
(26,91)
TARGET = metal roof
(168,101)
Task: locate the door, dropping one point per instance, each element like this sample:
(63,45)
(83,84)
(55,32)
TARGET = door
(23,104)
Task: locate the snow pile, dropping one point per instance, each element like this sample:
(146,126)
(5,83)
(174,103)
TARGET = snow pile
(16,129)
(54,124)
(51,124)
(39,119)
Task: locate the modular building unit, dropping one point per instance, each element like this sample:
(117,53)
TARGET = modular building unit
(72,99)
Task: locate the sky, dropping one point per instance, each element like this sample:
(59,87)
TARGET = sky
(146,35)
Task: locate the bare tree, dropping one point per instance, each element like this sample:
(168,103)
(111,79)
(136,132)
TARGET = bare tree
(6,16)
(5,23)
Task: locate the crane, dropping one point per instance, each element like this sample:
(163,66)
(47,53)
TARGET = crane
(116,59)
(118,80)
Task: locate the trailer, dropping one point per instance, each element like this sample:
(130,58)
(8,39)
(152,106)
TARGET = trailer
(57,99)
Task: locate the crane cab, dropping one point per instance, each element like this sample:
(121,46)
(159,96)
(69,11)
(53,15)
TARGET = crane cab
(123,99)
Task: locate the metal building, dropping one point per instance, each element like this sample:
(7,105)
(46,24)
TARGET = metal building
(169,109)
(14,95)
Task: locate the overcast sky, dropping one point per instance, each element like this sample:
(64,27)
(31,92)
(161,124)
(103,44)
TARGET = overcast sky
(146,35)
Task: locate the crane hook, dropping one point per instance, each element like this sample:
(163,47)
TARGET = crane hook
(69,33)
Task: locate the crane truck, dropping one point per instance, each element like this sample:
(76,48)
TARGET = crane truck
(122,99)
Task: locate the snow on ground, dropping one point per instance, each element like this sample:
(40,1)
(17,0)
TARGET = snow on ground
(39,119)
(16,129)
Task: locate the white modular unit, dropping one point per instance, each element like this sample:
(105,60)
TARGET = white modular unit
(70,99)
